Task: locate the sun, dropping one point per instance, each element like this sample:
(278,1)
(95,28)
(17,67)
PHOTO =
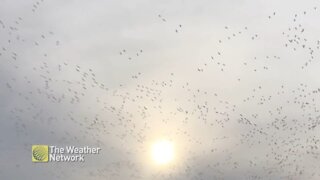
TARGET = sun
(163,152)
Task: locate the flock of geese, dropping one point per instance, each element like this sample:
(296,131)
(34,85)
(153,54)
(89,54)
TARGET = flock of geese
(224,126)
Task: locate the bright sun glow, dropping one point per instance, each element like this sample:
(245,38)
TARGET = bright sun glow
(163,152)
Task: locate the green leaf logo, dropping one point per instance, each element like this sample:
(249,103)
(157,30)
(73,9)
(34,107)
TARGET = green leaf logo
(40,153)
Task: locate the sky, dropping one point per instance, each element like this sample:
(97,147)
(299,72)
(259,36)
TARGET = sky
(233,84)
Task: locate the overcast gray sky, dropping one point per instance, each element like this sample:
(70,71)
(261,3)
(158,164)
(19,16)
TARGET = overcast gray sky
(233,84)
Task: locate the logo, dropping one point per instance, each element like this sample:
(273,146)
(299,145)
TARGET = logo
(50,153)
(40,153)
